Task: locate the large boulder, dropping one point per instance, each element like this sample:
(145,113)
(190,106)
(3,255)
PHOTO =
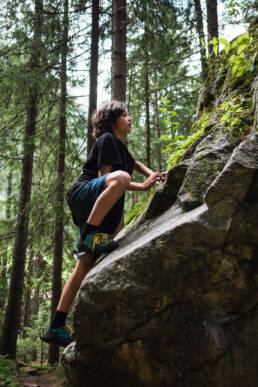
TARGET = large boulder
(176,304)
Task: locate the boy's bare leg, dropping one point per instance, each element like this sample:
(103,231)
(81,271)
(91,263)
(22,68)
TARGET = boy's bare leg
(115,186)
(83,266)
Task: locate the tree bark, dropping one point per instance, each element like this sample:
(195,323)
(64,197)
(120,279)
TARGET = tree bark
(59,210)
(147,119)
(3,274)
(130,88)
(27,299)
(157,128)
(200,31)
(118,67)
(38,268)
(118,71)
(13,312)
(134,198)
(8,197)
(212,23)
(94,58)
(146,91)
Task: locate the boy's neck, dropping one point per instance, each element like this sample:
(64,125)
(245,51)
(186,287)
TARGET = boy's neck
(119,135)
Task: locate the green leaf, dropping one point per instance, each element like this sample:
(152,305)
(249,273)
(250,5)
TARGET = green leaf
(227,49)
(179,137)
(241,48)
(240,73)
(232,58)
(223,41)
(214,42)
(234,69)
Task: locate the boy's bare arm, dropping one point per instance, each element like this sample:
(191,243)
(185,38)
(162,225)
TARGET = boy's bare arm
(141,168)
(153,177)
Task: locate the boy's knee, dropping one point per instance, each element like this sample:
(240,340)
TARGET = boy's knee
(118,179)
(123,178)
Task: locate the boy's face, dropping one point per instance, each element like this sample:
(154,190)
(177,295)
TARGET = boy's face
(123,123)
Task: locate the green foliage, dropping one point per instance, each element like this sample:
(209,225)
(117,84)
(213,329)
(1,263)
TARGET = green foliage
(233,113)
(157,44)
(7,372)
(135,211)
(26,348)
(235,7)
(240,59)
(231,110)
(171,136)
(179,151)
(60,373)
(214,43)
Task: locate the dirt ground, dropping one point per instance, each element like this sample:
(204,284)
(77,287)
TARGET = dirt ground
(49,380)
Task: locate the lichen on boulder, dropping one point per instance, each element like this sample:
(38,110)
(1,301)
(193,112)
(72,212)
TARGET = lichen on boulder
(176,303)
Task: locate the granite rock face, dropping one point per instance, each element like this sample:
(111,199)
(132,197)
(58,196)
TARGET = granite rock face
(177,303)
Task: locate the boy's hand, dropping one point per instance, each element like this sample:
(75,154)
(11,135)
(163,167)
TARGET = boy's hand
(155,177)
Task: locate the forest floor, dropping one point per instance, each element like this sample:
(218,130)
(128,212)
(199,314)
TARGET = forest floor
(36,375)
(48,379)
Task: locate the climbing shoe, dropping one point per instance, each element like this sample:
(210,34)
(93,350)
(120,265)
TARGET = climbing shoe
(96,243)
(60,336)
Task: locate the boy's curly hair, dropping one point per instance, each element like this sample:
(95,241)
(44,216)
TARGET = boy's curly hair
(103,118)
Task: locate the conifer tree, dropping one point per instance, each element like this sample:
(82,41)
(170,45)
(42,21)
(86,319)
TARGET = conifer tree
(200,31)
(118,70)
(212,23)
(13,312)
(27,298)
(94,57)
(59,205)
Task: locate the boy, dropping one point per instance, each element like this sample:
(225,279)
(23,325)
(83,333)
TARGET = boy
(96,201)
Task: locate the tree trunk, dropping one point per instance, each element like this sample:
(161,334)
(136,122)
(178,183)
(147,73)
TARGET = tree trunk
(59,210)
(212,23)
(94,58)
(3,274)
(157,128)
(147,119)
(200,31)
(130,87)
(118,73)
(134,198)
(118,67)
(27,300)
(38,267)
(146,91)
(8,198)
(13,312)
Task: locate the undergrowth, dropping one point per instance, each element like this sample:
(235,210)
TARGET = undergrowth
(180,149)
(7,372)
(138,208)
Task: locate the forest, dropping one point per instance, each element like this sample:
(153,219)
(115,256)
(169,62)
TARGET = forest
(59,61)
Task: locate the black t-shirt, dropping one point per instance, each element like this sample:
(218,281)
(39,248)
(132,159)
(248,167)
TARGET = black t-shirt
(107,150)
